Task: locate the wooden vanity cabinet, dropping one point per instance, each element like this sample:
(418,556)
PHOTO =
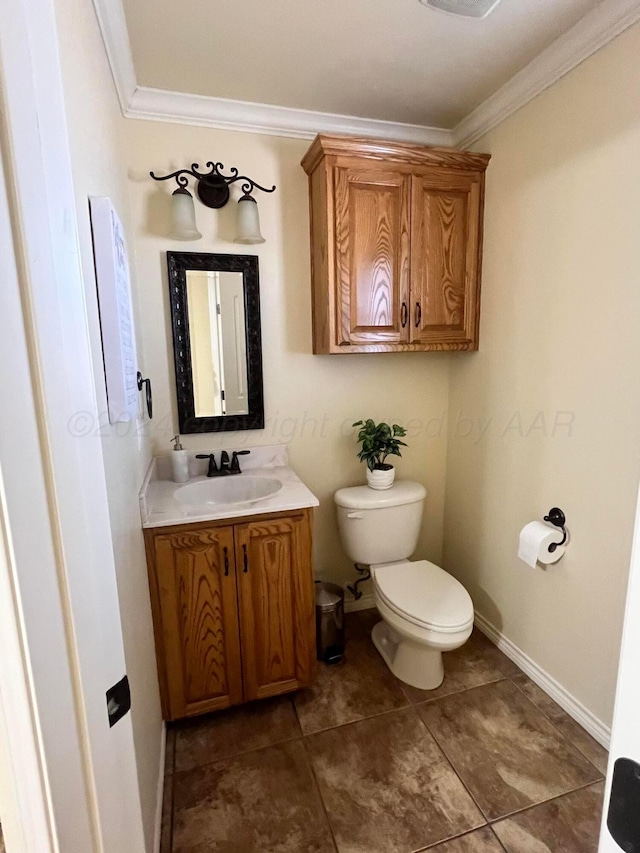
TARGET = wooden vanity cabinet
(233,610)
(396,245)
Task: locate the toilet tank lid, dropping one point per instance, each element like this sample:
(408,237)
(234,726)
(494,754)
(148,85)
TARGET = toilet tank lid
(364,497)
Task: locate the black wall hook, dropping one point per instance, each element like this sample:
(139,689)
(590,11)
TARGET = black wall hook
(148,394)
(558,519)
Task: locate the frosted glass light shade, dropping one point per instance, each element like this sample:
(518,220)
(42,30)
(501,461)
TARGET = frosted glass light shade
(248,222)
(183,217)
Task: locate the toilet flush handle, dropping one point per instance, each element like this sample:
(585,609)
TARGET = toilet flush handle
(354,515)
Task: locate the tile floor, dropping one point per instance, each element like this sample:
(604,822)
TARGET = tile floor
(361,763)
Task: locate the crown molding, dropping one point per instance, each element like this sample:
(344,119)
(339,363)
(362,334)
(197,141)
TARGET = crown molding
(113,26)
(592,32)
(183,108)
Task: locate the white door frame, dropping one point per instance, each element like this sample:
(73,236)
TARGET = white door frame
(27,804)
(625,736)
(34,665)
(57,574)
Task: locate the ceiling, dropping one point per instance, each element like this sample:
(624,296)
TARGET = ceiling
(392,60)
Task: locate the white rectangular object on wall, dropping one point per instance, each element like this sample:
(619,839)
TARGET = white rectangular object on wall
(116,310)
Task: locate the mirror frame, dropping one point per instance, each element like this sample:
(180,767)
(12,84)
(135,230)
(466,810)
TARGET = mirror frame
(178,264)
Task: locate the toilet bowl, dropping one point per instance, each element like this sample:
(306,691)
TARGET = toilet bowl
(425,611)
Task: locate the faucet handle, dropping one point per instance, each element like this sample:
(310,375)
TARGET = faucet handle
(235,464)
(213,468)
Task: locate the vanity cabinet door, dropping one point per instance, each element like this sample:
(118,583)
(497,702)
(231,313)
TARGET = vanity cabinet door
(277,607)
(445,259)
(196,599)
(372,255)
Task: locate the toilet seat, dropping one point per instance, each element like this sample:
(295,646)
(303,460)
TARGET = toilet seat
(424,594)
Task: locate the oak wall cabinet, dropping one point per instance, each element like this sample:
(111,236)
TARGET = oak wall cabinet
(396,245)
(233,607)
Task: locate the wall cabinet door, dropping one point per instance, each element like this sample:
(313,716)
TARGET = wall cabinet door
(276,602)
(198,620)
(372,209)
(445,239)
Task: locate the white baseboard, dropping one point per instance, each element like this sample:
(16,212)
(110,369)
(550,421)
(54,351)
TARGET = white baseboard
(366,602)
(157,836)
(582,715)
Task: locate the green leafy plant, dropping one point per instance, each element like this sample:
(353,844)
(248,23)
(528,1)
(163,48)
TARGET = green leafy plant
(379,441)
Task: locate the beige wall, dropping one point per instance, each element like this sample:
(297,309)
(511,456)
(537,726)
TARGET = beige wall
(559,339)
(308,398)
(96,127)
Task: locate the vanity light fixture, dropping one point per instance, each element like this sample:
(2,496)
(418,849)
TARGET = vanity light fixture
(248,221)
(183,216)
(212,188)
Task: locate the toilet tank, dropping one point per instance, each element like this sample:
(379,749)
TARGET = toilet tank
(380,526)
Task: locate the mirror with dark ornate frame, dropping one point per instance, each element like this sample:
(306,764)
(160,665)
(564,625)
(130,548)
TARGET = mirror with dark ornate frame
(217,349)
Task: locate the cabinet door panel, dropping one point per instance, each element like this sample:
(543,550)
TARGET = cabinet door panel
(372,255)
(444,258)
(277,616)
(198,601)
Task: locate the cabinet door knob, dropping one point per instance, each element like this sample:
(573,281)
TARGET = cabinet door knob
(226,561)
(403,314)
(245,558)
(418,314)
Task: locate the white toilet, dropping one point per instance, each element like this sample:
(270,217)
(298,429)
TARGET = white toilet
(425,611)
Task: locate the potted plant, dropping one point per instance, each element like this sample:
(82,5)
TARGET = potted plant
(377,442)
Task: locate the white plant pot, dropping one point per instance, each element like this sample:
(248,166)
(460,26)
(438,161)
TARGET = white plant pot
(377,479)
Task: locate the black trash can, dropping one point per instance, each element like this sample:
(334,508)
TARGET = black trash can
(329,622)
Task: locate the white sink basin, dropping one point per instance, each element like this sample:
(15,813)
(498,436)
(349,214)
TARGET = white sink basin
(239,489)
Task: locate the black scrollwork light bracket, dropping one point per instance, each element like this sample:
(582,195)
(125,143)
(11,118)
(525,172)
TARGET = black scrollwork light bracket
(212,186)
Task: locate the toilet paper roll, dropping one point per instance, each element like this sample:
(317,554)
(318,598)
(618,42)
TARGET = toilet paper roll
(535,539)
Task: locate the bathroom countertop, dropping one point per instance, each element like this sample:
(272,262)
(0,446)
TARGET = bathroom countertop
(159,508)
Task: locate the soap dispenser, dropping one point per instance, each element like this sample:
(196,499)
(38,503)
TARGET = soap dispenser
(179,462)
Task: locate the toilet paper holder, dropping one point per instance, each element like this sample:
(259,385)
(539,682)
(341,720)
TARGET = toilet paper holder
(558,519)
